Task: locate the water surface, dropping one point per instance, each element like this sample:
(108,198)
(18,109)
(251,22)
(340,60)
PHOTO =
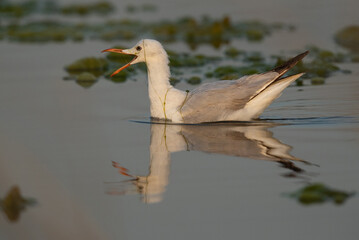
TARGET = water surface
(58,143)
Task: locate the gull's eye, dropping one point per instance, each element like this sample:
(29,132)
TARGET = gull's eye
(138,48)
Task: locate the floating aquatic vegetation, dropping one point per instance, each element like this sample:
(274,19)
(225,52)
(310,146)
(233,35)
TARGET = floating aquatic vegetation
(14,203)
(222,71)
(117,35)
(233,76)
(174,81)
(317,80)
(119,77)
(85,71)
(299,83)
(253,69)
(96,66)
(86,79)
(253,57)
(317,193)
(120,58)
(348,37)
(252,63)
(318,68)
(165,32)
(195,80)
(38,36)
(114,30)
(26,8)
(233,52)
(43,31)
(254,35)
(215,32)
(257,30)
(321,65)
(186,60)
(101,8)
(328,56)
(146,7)
(131,8)
(17,10)
(176,71)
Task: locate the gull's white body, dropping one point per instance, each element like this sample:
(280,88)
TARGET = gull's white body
(237,100)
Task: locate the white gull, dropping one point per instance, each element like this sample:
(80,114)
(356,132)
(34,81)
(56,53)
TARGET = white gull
(237,100)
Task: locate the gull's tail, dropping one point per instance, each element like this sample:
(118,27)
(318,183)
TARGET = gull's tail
(274,89)
(289,64)
(257,105)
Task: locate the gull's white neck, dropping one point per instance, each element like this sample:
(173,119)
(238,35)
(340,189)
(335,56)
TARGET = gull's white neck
(158,73)
(159,87)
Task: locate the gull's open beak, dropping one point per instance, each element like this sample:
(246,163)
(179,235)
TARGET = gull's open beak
(115,50)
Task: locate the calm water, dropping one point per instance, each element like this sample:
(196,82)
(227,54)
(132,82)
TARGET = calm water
(61,144)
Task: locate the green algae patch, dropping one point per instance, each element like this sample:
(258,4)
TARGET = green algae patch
(146,7)
(117,34)
(17,10)
(318,193)
(86,71)
(193,31)
(319,64)
(43,31)
(255,31)
(222,71)
(348,37)
(165,31)
(14,203)
(178,60)
(249,70)
(253,57)
(26,8)
(299,83)
(96,66)
(232,76)
(174,81)
(229,72)
(195,80)
(233,52)
(215,32)
(327,55)
(355,58)
(316,69)
(101,8)
(39,36)
(86,79)
(317,81)
(119,77)
(254,35)
(117,57)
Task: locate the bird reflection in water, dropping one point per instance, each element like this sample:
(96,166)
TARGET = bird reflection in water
(253,141)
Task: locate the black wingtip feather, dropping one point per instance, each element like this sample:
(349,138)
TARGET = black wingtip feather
(290,63)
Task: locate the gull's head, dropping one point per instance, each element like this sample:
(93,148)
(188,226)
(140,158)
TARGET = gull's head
(143,51)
